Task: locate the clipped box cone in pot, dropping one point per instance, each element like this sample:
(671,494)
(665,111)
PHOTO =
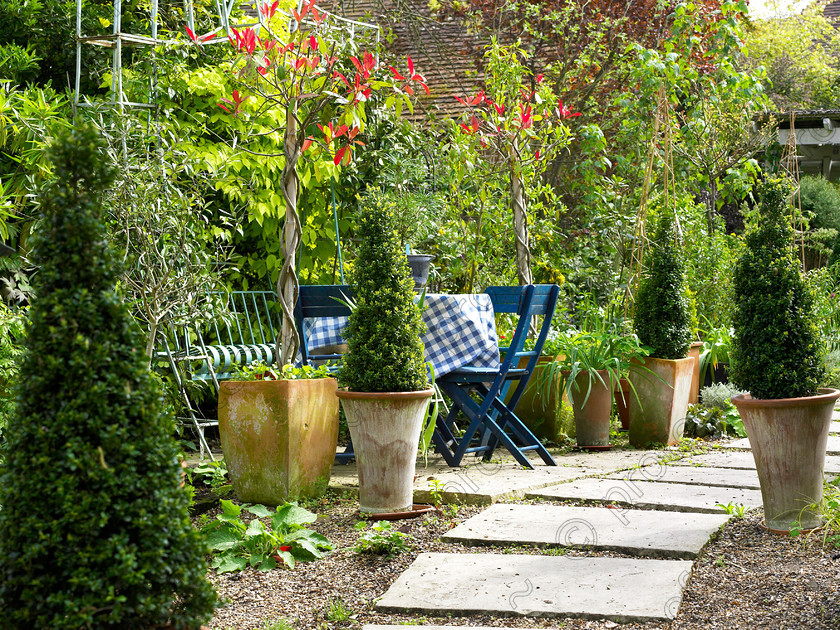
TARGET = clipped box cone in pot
(776,355)
(663,379)
(387,387)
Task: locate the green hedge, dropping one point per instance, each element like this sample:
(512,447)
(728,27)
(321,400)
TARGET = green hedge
(94,529)
(383,335)
(775,351)
(662,319)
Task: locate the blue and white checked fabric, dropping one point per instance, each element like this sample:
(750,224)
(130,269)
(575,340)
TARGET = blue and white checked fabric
(461,332)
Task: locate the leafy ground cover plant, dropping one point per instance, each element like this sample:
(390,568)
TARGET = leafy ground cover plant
(715,416)
(286,541)
(829,509)
(94,530)
(381,539)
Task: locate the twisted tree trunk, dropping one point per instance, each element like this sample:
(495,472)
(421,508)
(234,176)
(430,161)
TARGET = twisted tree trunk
(287,284)
(520,218)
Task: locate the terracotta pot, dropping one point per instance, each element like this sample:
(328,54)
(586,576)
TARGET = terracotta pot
(788,439)
(278,437)
(622,402)
(592,420)
(694,353)
(658,416)
(385,428)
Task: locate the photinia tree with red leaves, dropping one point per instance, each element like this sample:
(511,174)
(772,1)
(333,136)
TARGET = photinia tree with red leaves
(516,125)
(307,71)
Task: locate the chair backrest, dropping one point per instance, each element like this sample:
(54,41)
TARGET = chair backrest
(528,302)
(319,301)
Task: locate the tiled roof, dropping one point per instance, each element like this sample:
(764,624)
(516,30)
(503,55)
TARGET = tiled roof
(832,10)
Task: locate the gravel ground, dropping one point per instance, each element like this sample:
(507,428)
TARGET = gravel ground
(745,578)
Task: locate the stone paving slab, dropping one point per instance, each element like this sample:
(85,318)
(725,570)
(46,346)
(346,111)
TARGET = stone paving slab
(633,532)
(832,448)
(743,460)
(620,589)
(723,477)
(651,495)
(834,428)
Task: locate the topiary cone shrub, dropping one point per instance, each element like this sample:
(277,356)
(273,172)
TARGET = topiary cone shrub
(662,319)
(385,353)
(94,530)
(775,350)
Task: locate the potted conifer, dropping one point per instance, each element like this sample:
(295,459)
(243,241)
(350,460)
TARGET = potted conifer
(662,380)
(776,355)
(387,387)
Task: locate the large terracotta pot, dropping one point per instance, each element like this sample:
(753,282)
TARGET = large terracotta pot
(788,439)
(694,353)
(278,437)
(592,420)
(663,387)
(385,428)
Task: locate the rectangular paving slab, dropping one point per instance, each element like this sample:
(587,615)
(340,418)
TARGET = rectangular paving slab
(832,448)
(724,477)
(633,532)
(835,427)
(743,460)
(651,495)
(620,589)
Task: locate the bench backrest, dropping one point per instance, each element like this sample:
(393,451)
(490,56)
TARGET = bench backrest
(316,301)
(245,333)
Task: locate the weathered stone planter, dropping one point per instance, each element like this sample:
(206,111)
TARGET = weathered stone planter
(788,439)
(278,437)
(663,388)
(385,428)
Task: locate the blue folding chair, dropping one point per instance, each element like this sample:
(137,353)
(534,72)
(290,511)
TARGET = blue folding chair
(320,301)
(491,418)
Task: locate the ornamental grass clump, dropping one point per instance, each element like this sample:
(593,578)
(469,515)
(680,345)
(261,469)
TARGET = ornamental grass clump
(662,319)
(385,353)
(776,351)
(94,529)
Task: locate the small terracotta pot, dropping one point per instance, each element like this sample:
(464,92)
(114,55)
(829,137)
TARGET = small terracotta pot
(592,420)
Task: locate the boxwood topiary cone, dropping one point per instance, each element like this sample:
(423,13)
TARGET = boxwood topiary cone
(775,350)
(94,530)
(385,353)
(662,316)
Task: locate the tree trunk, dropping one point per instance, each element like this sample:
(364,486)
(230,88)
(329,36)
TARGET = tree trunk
(711,204)
(287,284)
(520,219)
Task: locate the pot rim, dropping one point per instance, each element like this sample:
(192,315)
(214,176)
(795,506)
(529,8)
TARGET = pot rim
(422,393)
(643,360)
(825,395)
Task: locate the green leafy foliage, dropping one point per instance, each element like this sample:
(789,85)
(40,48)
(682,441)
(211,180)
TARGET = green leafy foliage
(11,348)
(285,542)
(259,371)
(383,334)
(382,540)
(94,530)
(776,352)
(661,315)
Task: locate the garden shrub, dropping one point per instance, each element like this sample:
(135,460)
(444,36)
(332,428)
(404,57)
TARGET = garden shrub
(820,200)
(385,353)
(94,531)
(775,351)
(662,319)
(718,395)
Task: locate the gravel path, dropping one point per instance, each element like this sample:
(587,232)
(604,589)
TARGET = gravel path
(746,578)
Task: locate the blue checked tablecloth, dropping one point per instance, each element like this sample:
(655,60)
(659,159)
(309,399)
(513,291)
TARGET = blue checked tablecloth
(461,331)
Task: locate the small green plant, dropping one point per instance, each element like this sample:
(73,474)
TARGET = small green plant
(716,345)
(720,561)
(214,475)
(776,351)
(735,509)
(276,624)
(382,540)
(829,510)
(259,371)
(287,541)
(338,611)
(662,318)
